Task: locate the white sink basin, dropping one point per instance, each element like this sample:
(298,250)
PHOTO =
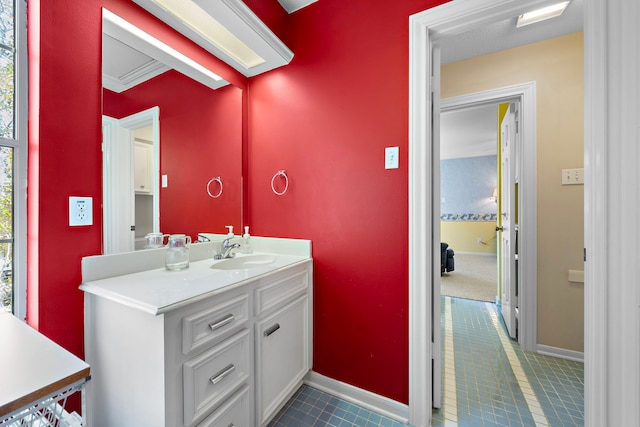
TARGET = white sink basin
(244,262)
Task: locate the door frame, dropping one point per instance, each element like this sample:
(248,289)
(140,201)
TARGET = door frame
(112,169)
(449,19)
(525,94)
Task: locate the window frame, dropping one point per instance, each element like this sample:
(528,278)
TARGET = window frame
(20,158)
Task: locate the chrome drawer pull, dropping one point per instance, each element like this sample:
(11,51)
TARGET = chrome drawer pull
(220,375)
(271,329)
(222,322)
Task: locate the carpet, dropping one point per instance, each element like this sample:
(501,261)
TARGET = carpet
(474,277)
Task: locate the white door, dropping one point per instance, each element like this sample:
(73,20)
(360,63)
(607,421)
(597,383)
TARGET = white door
(509,222)
(435,234)
(118,178)
(117,181)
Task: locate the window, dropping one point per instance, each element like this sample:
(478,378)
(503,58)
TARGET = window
(13,156)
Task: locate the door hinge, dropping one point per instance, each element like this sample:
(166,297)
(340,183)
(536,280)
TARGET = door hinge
(585,253)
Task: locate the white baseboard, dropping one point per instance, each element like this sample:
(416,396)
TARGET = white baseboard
(562,353)
(374,402)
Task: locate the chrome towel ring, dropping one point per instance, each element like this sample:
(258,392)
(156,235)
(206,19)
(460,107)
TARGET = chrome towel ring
(283,174)
(212,180)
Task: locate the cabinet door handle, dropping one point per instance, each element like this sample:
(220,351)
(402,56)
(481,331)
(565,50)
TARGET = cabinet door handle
(222,374)
(271,329)
(222,322)
(231,425)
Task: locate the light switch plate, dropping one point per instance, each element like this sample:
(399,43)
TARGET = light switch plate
(391,155)
(165,184)
(573,176)
(80,211)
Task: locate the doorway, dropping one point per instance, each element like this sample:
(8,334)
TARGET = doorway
(524,96)
(469,178)
(131,188)
(421,183)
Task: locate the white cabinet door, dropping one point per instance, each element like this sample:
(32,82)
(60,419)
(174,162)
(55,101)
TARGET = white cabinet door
(143,166)
(282,348)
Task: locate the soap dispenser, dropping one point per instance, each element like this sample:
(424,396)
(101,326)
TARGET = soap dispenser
(230,234)
(246,244)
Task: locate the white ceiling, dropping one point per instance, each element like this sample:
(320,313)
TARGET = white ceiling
(504,35)
(465,133)
(469,132)
(126,67)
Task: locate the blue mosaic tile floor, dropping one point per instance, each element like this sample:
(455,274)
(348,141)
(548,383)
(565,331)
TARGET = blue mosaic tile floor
(548,392)
(311,407)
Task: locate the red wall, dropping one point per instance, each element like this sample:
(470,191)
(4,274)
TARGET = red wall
(64,153)
(325,118)
(200,138)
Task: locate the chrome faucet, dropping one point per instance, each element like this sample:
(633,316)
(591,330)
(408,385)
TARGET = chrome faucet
(227,247)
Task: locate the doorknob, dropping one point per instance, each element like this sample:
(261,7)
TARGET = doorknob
(499,228)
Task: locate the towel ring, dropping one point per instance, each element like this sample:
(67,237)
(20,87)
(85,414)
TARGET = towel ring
(282,173)
(212,180)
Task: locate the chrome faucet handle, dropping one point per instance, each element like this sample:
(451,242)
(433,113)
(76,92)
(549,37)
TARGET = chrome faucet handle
(227,247)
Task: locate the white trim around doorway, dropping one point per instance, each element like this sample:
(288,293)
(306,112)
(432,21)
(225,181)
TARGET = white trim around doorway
(525,93)
(447,19)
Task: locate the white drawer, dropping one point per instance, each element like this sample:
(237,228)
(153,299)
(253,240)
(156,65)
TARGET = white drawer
(234,412)
(212,325)
(280,291)
(212,376)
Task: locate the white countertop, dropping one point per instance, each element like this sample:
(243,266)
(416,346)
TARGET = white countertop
(33,366)
(159,290)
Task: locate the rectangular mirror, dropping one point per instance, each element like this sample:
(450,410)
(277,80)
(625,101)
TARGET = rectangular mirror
(173,143)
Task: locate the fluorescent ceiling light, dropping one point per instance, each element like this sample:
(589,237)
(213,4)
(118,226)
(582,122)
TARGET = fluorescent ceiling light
(204,24)
(541,14)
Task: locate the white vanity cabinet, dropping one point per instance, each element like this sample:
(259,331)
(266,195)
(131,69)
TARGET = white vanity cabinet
(231,356)
(282,335)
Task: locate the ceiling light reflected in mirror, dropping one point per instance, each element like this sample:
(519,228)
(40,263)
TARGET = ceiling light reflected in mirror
(153,55)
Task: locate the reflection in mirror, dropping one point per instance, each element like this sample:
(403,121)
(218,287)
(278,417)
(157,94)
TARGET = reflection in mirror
(130,176)
(199,138)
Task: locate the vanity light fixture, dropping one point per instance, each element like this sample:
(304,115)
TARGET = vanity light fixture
(541,14)
(226,28)
(192,15)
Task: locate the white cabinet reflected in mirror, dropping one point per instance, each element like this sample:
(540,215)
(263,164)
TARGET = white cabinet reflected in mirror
(193,133)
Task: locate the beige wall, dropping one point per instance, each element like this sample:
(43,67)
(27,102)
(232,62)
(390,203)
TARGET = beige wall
(556,65)
(462,236)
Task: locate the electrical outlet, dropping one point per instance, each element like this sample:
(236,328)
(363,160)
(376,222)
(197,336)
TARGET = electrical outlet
(80,211)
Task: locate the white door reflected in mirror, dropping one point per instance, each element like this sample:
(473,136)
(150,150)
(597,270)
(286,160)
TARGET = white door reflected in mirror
(130,188)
